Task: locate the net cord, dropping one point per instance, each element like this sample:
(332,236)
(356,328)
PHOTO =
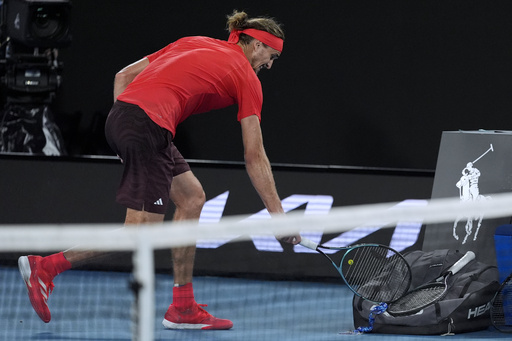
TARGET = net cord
(57,237)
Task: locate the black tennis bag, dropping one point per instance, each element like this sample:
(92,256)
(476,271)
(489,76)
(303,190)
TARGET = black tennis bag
(465,307)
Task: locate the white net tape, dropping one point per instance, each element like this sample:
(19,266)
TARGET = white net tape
(110,237)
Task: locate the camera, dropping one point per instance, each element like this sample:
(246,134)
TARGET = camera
(31,32)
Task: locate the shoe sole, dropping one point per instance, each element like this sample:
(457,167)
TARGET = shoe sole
(25,271)
(171,325)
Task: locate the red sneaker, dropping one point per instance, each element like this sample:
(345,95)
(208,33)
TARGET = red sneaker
(193,318)
(39,285)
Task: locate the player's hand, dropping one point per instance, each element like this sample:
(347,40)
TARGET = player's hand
(294,240)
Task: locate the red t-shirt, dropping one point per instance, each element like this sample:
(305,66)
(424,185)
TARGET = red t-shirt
(194,75)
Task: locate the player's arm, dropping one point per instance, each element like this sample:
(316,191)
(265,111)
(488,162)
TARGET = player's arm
(258,165)
(127,75)
(259,169)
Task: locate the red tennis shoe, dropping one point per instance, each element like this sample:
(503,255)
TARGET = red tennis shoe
(193,318)
(39,284)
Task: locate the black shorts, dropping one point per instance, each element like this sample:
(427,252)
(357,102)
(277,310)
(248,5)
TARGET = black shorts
(150,158)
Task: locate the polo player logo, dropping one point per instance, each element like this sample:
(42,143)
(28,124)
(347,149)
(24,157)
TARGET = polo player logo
(469,192)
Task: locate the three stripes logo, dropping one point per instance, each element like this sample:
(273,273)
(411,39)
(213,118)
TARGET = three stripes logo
(159,202)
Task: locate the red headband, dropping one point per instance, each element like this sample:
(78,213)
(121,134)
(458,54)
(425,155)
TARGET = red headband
(263,36)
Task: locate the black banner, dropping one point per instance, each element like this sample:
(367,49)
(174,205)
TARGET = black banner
(66,190)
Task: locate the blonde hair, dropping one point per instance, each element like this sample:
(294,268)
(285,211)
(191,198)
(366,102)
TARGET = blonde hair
(240,21)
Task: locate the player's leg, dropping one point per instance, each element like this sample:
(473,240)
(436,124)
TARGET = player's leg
(188,196)
(184,313)
(133,218)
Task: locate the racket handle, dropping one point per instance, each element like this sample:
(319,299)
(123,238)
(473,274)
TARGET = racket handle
(308,243)
(468,257)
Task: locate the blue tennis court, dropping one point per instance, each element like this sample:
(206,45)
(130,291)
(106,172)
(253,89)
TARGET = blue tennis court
(96,306)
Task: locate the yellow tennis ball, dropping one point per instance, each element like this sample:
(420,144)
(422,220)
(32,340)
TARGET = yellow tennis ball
(350,262)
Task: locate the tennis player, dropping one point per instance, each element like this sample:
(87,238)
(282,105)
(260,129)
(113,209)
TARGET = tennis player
(151,98)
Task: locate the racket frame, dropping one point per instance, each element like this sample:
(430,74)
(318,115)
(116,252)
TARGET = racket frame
(317,247)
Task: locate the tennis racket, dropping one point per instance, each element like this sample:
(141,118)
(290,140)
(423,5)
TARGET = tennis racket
(501,307)
(428,294)
(376,273)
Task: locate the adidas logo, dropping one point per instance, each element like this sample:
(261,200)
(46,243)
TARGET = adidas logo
(159,202)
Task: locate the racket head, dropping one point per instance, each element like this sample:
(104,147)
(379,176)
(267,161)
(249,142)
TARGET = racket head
(417,299)
(375,272)
(501,307)
(425,295)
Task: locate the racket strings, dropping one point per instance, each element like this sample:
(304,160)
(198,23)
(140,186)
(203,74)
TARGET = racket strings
(358,266)
(375,275)
(359,269)
(375,272)
(417,299)
(399,279)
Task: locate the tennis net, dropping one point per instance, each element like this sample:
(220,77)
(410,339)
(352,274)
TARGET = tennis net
(270,290)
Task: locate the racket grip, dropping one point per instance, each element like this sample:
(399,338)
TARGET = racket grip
(308,243)
(468,257)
